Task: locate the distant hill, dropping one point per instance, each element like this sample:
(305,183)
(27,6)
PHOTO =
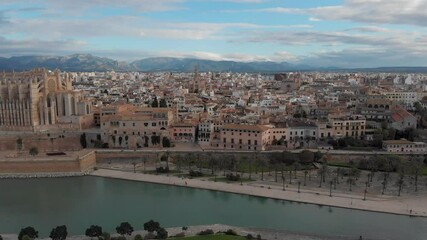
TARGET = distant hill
(76,62)
(88,62)
(188,64)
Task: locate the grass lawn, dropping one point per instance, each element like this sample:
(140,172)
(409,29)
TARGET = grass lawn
(340,164)
(212,237)
(424,171)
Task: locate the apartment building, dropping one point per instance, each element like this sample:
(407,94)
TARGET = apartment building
(135,127)
(348,126)
(183,132)
(404,146)
(244,137)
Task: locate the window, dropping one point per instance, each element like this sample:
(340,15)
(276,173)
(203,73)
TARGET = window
(225,140)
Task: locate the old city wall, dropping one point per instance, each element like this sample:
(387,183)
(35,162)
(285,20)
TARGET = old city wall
(43,142)
(49,164)
(39,166)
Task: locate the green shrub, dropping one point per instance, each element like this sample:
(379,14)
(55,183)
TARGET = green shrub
(105,236)
(180,235)
(150,236)
(162,169)
(231,232)
(195,173)
(162,233)
(206,232)
(30,232)
(138,237)
(119,238)
(233,177)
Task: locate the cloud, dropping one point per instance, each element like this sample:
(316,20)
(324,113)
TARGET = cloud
(10,47)
(136,5)
(365,57)
(409,12)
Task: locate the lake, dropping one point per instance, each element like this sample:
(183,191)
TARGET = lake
(79,202)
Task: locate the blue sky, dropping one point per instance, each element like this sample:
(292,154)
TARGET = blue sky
(349,33)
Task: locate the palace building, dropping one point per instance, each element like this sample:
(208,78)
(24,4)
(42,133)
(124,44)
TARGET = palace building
(40,100)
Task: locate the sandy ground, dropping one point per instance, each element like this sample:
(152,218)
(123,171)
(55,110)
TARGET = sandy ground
(415,206)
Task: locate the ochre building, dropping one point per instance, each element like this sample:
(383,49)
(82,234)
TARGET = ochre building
(40,100)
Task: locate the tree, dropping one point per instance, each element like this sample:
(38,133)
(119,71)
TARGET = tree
(416,165)
(166,142)
(151,226)
(163,103)
(59,233)
(155,103)
(305,177)
(351,182)
(94,231)
(30,232)
(323,171)
(124,229)
(34,151)
(400,184)
(162,233)
(83,141)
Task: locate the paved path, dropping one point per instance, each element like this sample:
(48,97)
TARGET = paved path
(415,206)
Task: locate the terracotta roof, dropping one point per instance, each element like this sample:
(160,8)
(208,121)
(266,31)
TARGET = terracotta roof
(399,114)
(260,128)
(401,141)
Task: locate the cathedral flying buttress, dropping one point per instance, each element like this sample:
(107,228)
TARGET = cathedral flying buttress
(40,99)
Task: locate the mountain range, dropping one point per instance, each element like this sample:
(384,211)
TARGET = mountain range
(88,62)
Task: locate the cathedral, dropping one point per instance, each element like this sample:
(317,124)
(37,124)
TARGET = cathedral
(40,100)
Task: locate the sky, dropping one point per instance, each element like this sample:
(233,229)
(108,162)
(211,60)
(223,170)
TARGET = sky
(339,33)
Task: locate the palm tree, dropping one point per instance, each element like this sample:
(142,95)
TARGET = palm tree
(305,177)
(190,158)
(416,166)
(250,168)
(212,163)
(350,181)
(167,159)
(323,171)
(384,182)
(400,183)
(262,164)
(297,167)
(178,160)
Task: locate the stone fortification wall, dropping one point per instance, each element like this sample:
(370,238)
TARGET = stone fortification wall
(43,142)
(84,161)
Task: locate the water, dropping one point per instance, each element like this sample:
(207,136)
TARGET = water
(82,201)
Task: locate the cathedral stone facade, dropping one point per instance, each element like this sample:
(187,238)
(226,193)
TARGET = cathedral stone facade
(39,100)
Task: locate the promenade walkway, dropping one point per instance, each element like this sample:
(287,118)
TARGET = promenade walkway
(414,206)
